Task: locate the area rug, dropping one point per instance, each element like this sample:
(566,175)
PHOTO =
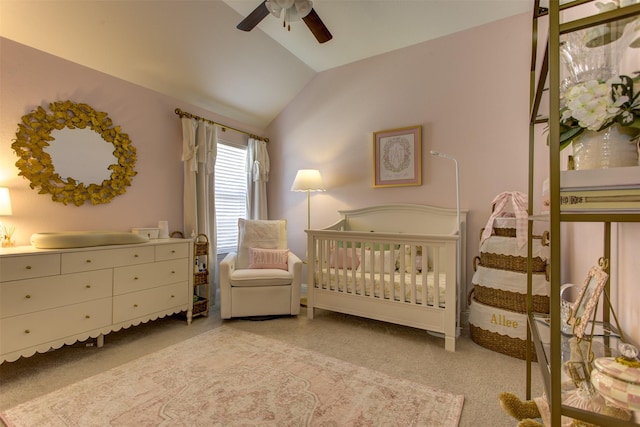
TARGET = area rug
(227,377)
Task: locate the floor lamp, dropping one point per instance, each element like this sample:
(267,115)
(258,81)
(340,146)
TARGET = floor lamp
(308,180)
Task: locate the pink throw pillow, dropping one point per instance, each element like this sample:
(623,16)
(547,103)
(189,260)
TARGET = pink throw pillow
(269,258)
(337,259)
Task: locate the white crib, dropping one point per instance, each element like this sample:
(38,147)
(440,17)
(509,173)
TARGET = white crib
(400,263)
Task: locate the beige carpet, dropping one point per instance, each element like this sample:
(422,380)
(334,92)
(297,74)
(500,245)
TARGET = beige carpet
(230,377)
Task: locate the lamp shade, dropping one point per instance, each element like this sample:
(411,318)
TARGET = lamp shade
(308,180)
(5,202)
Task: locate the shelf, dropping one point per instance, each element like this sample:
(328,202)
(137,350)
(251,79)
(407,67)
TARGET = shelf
(604,344)
(597,196)
(590,216)
(201,276)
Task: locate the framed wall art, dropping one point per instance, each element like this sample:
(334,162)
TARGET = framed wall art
(397,157)
(588,298)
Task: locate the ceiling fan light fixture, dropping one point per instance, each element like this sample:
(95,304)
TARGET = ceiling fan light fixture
(273,7)
(303,7)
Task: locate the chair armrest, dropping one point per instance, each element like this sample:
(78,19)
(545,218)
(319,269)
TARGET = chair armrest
(229,261)
(295,268)
(227,266)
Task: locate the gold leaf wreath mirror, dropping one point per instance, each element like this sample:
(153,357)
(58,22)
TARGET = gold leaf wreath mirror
(78,131)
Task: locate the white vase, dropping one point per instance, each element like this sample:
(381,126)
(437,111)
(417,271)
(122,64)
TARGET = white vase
(610,148)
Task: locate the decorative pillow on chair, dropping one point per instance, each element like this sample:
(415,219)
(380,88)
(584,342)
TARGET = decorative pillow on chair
(269,258)
(265,234)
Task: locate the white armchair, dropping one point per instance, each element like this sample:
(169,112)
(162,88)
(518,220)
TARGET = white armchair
(263,278)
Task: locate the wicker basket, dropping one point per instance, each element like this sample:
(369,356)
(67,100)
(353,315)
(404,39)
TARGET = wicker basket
(509,300)
(504,232)
(511,262)
(200,306)
(504,344)
(200,278)
(201,245)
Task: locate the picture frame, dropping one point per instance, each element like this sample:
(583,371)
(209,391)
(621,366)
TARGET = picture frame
(397,157)
(588,298)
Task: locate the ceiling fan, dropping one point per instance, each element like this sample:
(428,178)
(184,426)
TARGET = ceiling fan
(294,10)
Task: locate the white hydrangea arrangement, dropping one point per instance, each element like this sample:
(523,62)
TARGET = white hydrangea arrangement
(595,105)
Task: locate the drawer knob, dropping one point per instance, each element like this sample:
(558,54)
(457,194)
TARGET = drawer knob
(173,296)
(87,317)
(88,261)
(27,296)
(135,256)
(173,272)
(28,267)
(173,252)
(135,305)
(88,286)
(27,331)
(135,278)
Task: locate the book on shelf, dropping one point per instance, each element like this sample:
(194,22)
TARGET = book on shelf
(609,178)
(608,199)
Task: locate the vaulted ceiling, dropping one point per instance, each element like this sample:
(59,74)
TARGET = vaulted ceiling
(191,50)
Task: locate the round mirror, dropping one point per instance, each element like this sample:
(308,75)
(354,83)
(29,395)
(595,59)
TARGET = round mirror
(74,153)
(69,145)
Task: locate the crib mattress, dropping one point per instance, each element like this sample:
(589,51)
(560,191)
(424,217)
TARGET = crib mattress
(354,281)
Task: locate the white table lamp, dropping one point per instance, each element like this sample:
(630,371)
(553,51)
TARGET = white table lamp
(308,180)
(5,210)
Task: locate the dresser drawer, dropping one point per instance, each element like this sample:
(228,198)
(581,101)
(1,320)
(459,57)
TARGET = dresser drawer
(149,301)
(28,266)
(29,330)
(26,296)
(172,251)
(73,262)
(137,277)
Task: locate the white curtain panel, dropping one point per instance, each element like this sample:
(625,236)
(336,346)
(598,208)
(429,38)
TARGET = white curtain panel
(190,166)
(257,177)
(199,150)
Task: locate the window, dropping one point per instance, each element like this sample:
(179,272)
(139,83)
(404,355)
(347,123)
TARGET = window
(231,194)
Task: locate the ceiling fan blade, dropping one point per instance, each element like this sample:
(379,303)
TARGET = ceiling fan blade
(254,18)
(317,27)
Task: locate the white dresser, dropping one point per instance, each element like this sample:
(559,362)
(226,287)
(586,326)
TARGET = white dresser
(52,297)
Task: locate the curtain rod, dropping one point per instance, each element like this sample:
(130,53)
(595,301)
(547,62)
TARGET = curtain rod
(224,127)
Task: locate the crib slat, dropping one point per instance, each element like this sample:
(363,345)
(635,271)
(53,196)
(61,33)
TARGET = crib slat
(436,276)
(412,262)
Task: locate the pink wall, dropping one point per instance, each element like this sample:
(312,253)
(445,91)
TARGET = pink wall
(469,92)
(30,78)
